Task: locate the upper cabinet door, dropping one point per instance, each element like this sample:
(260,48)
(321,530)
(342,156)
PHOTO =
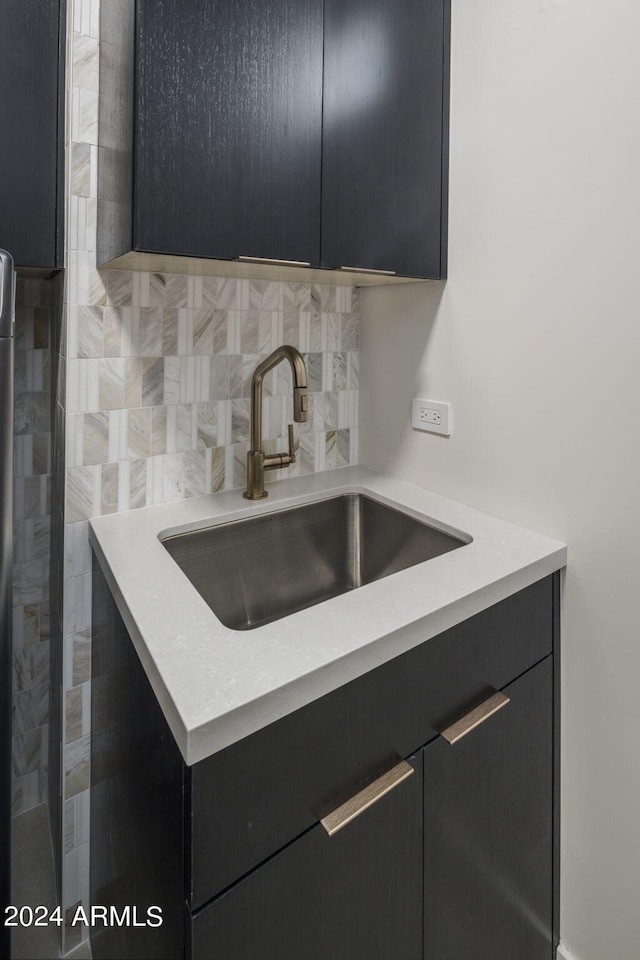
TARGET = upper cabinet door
(229,128)
(31,214)
(384,163)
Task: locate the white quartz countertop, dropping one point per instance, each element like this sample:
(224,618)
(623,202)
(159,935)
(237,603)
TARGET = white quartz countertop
(217,685)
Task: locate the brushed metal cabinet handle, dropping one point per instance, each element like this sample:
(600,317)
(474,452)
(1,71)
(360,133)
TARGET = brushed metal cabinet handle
(277,263)
(474,718)
(382,273)
(361,801)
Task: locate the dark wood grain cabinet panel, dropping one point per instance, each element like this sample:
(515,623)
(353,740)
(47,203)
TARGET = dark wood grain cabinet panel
(228,128)
(356,895)
(457,861)
(304,131)
(384,160)
(137,790)
(488,849)
(354,734)
(32,43)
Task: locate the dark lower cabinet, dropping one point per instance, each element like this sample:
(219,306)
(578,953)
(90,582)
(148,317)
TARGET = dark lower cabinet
(137,794)
(488,822)
(457,861)
(356,895)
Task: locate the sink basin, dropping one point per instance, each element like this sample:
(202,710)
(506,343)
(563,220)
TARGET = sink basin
(261,568)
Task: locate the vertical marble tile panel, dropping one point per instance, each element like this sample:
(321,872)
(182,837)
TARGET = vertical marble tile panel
(85,62)
(154,380)
(109,488)
(73,714)
(95,438)
(113,331)
(158,430)
(330,410)
(202,332)
(219,377)
(150,332)
(77,759)
(236,466)
(81,657)
(137,484)
(83,493)
(184,343)
(350,332)
(207,421)
(217,461)
(176,291)
(80,168)
(171,380)
(139,433)
(133,382)
(239,420)
(111,384)
(225,332)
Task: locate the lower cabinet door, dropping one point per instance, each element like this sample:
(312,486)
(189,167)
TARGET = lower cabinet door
(488,831)
(355,895)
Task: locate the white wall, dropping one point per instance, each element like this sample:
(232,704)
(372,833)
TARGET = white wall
(535,339)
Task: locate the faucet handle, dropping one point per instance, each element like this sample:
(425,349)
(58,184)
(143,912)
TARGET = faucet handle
(292,454)
(276,460)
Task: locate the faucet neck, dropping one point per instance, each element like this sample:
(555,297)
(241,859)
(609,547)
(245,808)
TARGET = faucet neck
(299,372)
(257,462)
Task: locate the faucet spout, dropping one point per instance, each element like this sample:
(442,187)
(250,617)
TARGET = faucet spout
(257,461)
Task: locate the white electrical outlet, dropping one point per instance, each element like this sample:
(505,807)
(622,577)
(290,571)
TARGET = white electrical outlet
(431,415)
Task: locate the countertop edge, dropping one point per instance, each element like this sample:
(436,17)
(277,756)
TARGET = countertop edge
(231,727)
(198,740)
(169,708)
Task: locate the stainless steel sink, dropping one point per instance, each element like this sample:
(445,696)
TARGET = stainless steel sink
(259,569)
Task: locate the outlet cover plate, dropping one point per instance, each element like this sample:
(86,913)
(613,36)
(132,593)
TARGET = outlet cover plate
(433,416)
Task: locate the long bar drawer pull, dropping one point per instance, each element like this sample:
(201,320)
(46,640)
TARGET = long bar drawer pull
(382,273)
(475,717)
(361,801)
(277,263)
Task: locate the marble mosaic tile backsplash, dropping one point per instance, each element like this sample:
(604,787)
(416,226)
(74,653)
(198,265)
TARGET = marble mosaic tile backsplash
(157,376)
(157,373)
(158,385)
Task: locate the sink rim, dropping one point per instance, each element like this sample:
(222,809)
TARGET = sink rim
(263,508)
(256,588)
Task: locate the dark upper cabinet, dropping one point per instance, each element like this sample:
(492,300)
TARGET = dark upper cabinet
(311,131)
(385,134)
(488,825)
(228,128)
(31,123)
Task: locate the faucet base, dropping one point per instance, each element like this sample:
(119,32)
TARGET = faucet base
(255,476)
